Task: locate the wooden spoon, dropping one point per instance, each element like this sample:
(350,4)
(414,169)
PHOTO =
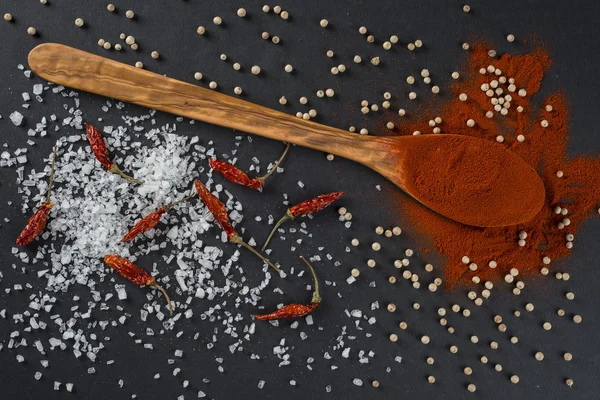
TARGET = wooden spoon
(487,204)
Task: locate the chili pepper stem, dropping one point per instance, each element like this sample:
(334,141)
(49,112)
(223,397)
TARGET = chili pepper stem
(115,170)
(169,206)
(288,215)
(316,296)
(157,286)
(263,178)
(237,240)
(51,181)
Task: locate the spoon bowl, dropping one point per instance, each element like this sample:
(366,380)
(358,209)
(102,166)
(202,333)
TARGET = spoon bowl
(472,181)
(468,190)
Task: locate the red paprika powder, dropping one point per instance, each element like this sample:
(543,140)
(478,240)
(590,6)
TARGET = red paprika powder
(544,147)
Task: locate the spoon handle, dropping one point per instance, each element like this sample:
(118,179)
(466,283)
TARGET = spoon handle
(80,70)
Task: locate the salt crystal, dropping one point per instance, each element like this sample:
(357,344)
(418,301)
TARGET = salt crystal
(56,385)
(181,280)
(182,264)
(69,387)
(261,384)
(357,382)
(16,118)
(121,292)
(38,88)
(173,232)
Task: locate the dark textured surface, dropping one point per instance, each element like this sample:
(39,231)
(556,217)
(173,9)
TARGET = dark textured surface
(570,32)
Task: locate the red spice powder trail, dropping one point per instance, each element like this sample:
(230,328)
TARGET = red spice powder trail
(544,149)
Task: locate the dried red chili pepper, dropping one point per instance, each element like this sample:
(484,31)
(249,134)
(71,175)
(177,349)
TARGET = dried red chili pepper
(37,222)
(219,212)
(236,175)
(216,208)
(101,152)
(135,274)
(151,220)
(296,310)
(304,208)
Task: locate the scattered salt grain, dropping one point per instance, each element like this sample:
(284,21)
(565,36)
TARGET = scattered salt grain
(16,118)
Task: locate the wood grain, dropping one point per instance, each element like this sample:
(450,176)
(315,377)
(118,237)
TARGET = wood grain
(91,73)
(387,155)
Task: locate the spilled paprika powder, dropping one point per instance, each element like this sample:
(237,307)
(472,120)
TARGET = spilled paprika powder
(540,137)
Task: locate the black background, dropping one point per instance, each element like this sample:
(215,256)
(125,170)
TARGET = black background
(568,29)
